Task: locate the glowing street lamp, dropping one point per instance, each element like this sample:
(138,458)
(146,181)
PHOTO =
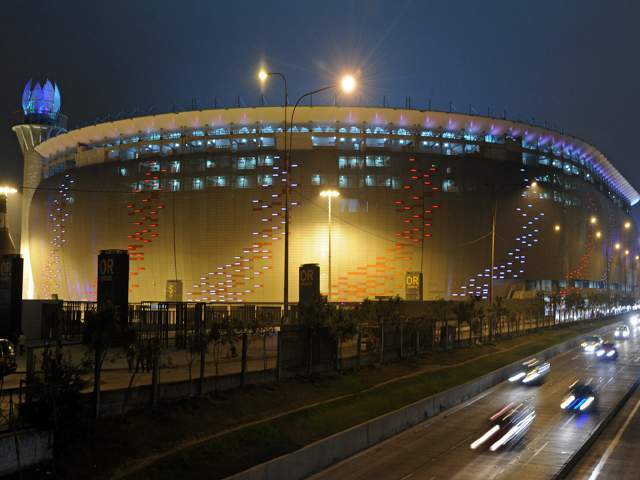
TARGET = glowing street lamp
(329,194)
(617,246)
(627,225)
(348,85)
(4,190)
(593,220)
(556,227)
(598,234)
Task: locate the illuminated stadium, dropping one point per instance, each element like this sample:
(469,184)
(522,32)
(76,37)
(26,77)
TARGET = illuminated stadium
(197,196)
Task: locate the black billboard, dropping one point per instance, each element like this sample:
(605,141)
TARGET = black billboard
(10,296)
(309,282)
(113,281)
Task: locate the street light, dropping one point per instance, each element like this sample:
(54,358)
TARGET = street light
(329,195)
(598,234)
(348,84)
(593,220)
(263,75)
(556,227)
(627,225)
(4,190)
(617,246)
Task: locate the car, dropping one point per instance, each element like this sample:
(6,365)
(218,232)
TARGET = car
(607,351)
(582,397)
(532,372)
(591,343)
(507,427)
(622,332)
(7,357)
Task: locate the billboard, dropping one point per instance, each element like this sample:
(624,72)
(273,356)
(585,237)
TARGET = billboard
(113,281)
(413,286)
(10,295)
(309,283)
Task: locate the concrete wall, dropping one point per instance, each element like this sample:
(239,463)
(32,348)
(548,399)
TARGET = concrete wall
(35,447)
(323,453)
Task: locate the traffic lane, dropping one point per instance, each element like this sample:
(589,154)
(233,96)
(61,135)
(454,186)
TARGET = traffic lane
(439,448)
(615,452)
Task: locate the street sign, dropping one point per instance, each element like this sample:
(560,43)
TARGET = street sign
(113,281)
(413,286)
(309,283)
(174,291)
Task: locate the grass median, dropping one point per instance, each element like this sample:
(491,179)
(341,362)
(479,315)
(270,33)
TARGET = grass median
(235,451)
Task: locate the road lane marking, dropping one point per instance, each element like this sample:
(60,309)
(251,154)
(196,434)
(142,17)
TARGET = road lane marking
(613,444)
(538,451)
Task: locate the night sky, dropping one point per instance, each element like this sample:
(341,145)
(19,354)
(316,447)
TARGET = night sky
(573,64)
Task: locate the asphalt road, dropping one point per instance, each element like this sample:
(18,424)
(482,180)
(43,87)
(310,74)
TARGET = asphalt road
(439,447)
(615,454)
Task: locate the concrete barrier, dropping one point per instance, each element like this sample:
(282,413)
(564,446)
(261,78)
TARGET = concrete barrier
(35,447)
(319,455)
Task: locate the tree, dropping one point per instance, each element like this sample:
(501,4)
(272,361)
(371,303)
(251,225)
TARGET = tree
(314,316)
(102,328)
(463,311)
(496,313)
(55,401)
(343,325)
(439,312)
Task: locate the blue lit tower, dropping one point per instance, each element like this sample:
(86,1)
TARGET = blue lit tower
(38,120)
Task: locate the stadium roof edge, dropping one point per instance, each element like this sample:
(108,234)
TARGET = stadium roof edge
(331,114)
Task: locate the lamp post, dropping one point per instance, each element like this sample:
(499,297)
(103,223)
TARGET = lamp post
(263,75)
(329,195)
(347,85)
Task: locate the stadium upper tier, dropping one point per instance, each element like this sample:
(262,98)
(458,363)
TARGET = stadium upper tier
(345,128)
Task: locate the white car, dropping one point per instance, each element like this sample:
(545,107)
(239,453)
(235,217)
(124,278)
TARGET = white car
(591,343)
(532,372)
(621,332)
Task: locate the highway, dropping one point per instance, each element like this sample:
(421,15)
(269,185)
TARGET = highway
(439,448)
(615,452)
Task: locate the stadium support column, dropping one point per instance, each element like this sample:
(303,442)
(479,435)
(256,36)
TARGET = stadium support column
(29,137)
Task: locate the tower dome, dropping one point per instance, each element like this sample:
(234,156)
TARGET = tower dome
(41,102)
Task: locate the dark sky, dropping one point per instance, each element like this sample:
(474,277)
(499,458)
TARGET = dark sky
(571,63)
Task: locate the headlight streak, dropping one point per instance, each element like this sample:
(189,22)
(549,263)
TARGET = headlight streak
(567,401)
(504,409)
(600,352)
(485,437)
(517,377)
(513,431)
(610,353)
(586,403)
(531,377)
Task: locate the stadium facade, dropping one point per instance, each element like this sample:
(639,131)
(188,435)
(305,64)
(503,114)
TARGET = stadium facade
(198,197)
